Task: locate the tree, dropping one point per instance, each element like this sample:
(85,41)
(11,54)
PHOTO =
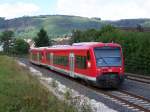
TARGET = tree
(76,35)
(139,28)
(42,39)
(107,29)
(7,40)
(21,46)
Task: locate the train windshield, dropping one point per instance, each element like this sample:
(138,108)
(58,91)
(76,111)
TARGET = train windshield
(107,56)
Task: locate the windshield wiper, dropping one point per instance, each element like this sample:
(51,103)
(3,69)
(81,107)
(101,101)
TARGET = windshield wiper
(103,60)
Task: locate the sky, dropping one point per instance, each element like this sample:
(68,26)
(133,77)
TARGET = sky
(104,9)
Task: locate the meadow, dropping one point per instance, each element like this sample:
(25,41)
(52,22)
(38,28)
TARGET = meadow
(21,92)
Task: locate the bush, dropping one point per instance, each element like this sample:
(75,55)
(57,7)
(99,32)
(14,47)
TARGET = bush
(21,47)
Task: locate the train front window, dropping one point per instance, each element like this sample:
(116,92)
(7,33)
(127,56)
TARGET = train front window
(107,56)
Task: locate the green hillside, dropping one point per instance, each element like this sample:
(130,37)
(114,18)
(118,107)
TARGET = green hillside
(27,27)
(147,23)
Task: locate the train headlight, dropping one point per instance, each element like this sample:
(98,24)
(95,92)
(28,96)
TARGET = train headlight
(89,64)
(109,70)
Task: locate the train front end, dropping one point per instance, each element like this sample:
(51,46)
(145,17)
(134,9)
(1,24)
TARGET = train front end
(110,66)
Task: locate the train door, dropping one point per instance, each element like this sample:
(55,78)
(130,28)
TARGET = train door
(31,55)
(71,64)
(38,57)
(51,60)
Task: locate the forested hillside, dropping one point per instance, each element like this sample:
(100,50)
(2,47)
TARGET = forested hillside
(27,27)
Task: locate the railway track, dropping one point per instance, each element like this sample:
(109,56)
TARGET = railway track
(139,78)
(121,97)
(129,100)
(132,101)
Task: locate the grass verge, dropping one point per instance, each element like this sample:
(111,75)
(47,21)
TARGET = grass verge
(20,92)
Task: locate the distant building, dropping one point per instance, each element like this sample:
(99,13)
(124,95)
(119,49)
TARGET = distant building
(1,48)
(61,40)
(30,42)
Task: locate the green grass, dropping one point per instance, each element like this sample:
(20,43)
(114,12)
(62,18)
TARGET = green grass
(20,92)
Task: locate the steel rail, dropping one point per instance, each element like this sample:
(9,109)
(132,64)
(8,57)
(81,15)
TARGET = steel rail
(109,93)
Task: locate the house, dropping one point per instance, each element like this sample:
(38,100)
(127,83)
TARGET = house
(30,42)
(1,48)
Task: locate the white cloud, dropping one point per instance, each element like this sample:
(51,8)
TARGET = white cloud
(112,9)
(17,9)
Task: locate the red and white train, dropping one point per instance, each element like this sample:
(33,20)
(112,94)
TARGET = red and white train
(102,64)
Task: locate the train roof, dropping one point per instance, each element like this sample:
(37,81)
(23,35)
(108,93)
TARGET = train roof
(82,45)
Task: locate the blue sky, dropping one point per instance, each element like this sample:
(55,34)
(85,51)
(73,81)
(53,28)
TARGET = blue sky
(105,9)
(43,6)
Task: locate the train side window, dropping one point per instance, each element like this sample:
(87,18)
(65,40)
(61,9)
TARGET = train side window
(31,55)
(88,55)
(40,56)
(34,56)
(48,56)
(61,60)
(81,62)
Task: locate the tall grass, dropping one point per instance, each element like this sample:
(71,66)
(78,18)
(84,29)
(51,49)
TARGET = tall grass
(20,92)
